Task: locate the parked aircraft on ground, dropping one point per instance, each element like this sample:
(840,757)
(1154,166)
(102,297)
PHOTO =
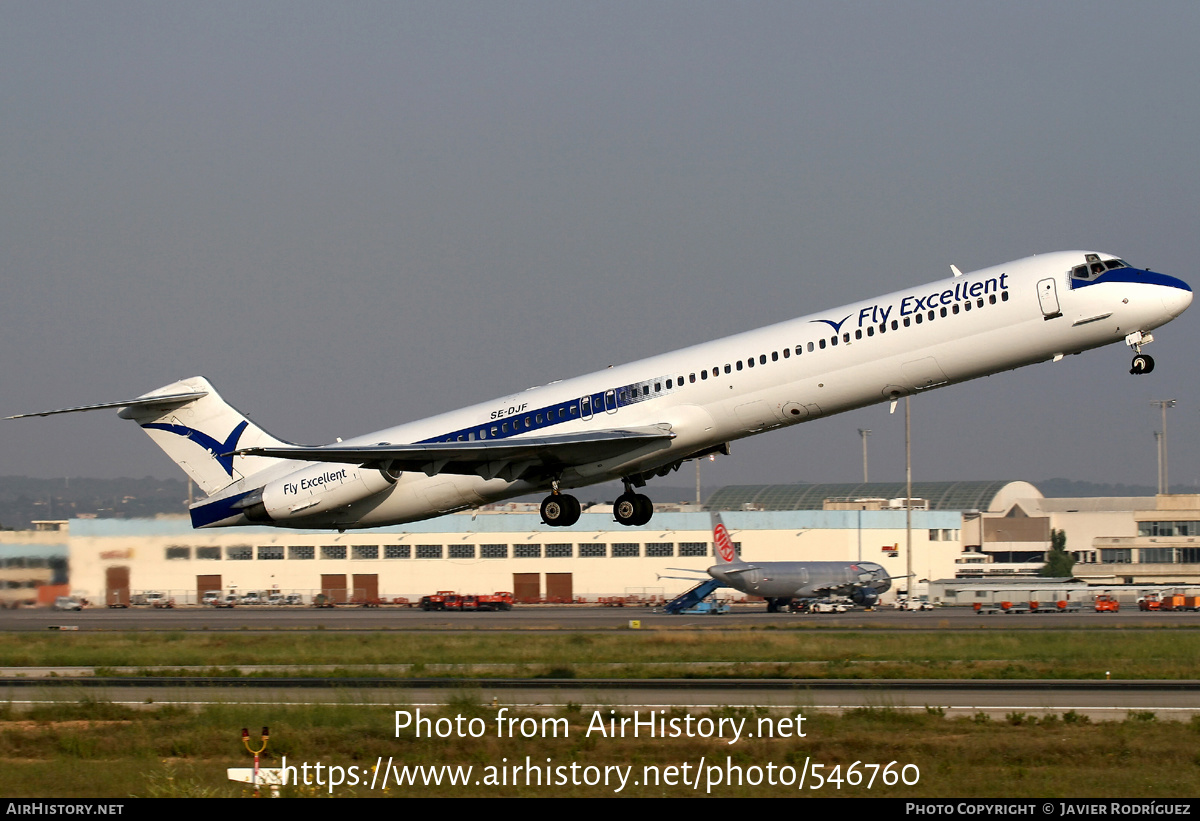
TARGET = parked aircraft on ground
(642,420)
(782,582)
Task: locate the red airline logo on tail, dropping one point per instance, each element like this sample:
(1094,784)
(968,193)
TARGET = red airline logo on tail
(724,544)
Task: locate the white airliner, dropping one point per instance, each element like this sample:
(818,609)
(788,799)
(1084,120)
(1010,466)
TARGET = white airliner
(644,419)
(782,583)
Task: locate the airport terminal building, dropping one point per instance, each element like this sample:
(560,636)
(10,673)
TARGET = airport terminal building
(506,548)
(969,531)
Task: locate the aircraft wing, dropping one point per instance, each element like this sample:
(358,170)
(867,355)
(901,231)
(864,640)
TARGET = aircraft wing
(510,459)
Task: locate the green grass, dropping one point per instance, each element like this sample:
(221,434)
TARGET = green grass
(94,749)
(1051,654)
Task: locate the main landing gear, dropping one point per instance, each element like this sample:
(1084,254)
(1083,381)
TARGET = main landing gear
(631,509)
(560,510)
(1142,363)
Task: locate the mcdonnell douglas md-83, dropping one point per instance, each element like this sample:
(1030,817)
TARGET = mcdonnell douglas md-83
(644,419)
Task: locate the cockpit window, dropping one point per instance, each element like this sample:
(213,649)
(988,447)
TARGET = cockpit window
(1095,267)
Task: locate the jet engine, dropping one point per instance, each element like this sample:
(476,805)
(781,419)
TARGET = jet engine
(315,490)
(864,596)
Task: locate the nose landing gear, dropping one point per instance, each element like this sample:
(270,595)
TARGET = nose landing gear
(1142,363)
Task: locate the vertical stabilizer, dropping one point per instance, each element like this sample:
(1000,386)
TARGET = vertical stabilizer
(199,431)
(723,547)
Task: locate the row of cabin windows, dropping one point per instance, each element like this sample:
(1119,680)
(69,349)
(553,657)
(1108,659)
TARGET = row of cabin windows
(589,404)
(832,342)
(437,551)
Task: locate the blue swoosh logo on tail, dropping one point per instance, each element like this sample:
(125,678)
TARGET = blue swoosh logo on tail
(221,451)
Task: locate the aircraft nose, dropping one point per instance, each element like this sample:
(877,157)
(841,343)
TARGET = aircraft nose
(1176,297)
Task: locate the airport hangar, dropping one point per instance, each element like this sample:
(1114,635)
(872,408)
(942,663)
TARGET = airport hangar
(977,531)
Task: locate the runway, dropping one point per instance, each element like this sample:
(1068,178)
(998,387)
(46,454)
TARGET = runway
(563,617)
(1099,700)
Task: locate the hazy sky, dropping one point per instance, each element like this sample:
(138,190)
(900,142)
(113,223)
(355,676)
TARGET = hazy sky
(350,215)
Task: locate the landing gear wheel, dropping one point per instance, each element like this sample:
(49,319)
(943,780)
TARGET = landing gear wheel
(645,508)
(1142,363)
(626,509)
(560,510)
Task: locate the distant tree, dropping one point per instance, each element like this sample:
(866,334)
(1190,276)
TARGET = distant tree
(1059,562)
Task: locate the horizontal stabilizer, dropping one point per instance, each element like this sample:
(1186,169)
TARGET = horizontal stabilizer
(506,458)
(165,402)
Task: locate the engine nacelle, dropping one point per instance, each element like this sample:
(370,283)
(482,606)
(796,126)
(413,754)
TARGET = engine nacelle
(317,489)
(864,596)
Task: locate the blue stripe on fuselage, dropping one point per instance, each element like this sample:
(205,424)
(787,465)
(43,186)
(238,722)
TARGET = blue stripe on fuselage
(524,421)
(217,511)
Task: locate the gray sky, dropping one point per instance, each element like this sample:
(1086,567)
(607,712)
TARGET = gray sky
(353,215)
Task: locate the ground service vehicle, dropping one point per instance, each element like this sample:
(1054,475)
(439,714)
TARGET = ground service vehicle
(1106,603)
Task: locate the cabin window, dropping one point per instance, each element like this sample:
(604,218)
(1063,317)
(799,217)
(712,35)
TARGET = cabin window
(833,341)
(810,345)
(1004,297)
(858,334)
(954,308)
(762,359)
(691,377)
(820,342)
(739,364)
(870,330)
(668,384)
(704,374)
(657,387)
(931,316)
(774,356)
(728,369)
(846,336)
(980,303)
(991,299)
(750,362)
(787,353)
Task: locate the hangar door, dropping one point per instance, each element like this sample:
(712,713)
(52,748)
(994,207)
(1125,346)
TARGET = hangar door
(560,588)
(206,583)
(527,588)
(116,586)
(333,587)
(366,587)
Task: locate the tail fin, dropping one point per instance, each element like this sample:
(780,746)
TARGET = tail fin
(198,429)
(726,551)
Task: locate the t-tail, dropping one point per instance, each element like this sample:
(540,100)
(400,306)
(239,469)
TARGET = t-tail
(198,429)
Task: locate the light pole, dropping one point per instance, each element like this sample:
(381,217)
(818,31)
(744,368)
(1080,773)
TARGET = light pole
(1163,481)
(908,496)
(864,433)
